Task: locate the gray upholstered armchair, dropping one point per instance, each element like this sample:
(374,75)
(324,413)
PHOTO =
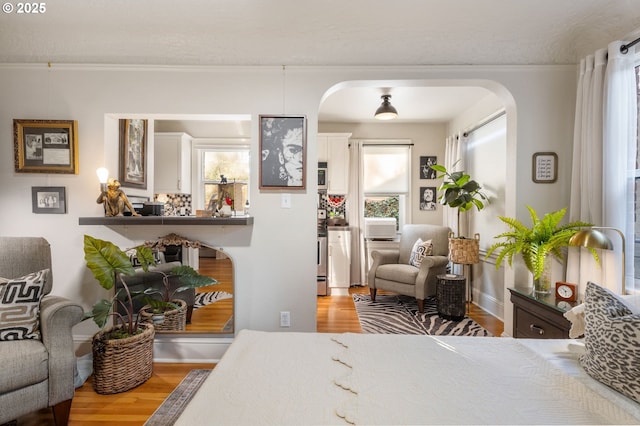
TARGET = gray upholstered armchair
(37,373)
(392,271)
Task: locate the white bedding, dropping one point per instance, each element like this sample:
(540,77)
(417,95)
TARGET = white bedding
(312,378)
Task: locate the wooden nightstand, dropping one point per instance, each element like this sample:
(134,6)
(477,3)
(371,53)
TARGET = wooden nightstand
(539,316)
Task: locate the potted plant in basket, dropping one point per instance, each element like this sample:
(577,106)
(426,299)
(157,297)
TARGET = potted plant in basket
(545,238)
(123,353)
(166,311)
(461,192)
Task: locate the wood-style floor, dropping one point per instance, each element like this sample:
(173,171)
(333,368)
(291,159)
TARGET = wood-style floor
(133,408)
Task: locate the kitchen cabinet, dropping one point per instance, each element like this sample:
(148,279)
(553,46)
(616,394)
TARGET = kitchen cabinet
(172,163)
(339,260)
(334,149)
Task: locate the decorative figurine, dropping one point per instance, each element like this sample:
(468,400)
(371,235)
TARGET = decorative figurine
(115,200)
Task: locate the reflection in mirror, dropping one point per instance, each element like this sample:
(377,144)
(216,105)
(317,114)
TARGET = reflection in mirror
(209,308)
(213,307)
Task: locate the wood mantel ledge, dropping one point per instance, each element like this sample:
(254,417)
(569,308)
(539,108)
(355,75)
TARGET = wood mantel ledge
(166,220)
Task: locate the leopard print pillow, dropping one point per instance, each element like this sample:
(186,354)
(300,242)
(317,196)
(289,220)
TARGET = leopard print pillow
(612,341)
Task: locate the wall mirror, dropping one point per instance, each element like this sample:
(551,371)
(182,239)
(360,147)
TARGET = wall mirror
(210,309)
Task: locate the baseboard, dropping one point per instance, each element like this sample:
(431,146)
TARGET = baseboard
(175,349)
(489,304)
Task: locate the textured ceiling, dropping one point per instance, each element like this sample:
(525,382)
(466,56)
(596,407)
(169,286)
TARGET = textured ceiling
(326,32)
(321,32)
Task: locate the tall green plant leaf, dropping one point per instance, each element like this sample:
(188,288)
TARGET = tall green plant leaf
(106,261)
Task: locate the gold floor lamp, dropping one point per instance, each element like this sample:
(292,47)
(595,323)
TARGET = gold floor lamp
(593,238)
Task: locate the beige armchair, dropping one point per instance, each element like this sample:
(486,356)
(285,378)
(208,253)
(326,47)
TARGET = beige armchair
(392,271)
(37,373)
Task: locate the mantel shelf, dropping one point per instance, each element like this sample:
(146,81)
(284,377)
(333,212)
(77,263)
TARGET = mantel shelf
(166,220)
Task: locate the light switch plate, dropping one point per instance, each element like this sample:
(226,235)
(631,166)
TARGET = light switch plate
(286,201)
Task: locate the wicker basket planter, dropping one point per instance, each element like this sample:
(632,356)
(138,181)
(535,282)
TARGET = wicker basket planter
(122,364)
(464,251)
(174,320)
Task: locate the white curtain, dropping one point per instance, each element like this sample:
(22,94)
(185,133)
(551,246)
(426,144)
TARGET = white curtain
(604,157)
(455,153)
(355,214)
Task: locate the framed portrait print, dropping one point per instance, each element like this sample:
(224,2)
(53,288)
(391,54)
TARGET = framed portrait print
(283,142)
(545,167)
(133,153)
(426,172)
(45,146)
(48,199)
(427,198)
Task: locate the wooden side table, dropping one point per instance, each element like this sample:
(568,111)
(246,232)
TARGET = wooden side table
(539,316)
(451,296)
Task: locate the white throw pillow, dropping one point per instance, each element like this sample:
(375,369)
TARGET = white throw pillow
(420,250)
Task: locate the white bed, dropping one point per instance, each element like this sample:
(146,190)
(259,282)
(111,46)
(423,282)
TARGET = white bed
(312,378)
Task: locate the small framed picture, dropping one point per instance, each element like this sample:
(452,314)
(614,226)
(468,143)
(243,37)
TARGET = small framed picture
(45,146)
(426,172)
(428,198)
(48,199)
(283,142)
(545,167)
(133,153)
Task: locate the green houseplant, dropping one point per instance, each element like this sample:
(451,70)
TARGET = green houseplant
(163,308)
(546,237)
(460,192)
(123,353)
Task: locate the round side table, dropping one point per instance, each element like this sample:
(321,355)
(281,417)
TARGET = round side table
(450,294)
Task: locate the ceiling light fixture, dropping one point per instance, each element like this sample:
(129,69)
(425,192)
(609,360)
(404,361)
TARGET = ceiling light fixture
(386,111)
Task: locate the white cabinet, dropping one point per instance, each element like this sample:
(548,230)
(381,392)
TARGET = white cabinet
(339,261)
(172,163)
(336,146)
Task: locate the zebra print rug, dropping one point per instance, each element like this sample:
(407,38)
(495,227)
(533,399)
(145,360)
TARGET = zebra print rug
(209,297)
(397,314)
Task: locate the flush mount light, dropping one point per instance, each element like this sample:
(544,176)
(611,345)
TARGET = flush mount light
(386,111)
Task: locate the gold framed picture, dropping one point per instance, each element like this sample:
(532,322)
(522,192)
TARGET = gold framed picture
(45,146)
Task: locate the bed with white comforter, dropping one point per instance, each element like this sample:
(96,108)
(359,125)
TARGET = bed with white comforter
(312,378)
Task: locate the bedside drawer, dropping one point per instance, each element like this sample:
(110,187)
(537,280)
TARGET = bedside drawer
(530,326)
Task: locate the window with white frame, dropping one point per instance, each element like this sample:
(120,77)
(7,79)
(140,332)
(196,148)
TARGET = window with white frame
(386,181)
(216,162)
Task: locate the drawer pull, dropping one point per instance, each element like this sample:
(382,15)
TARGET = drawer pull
(536,329)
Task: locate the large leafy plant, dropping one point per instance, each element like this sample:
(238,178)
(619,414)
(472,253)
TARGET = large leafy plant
(109,263)
(546,236)
(459,191)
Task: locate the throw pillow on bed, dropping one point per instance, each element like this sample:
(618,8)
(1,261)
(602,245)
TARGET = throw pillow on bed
(20,306)
(420,250)
(612,341)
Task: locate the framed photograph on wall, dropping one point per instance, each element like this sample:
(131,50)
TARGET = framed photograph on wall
(283,142)
(426,172)
(45,146)
(428,198)
(133,153)
(48,199)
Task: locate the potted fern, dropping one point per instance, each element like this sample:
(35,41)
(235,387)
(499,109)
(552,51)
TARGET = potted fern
(546,237)
(461,192)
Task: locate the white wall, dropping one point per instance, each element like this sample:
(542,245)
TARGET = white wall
(275,268)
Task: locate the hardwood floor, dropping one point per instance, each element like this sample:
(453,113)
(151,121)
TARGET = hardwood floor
(133,408)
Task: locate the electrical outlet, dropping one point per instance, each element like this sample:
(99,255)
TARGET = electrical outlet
(285,319)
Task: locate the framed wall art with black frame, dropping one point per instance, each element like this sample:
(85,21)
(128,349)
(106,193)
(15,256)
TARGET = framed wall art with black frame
(545,167)
(426,172)
(133,153)
(49,199)
(283,143)
(45,146)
